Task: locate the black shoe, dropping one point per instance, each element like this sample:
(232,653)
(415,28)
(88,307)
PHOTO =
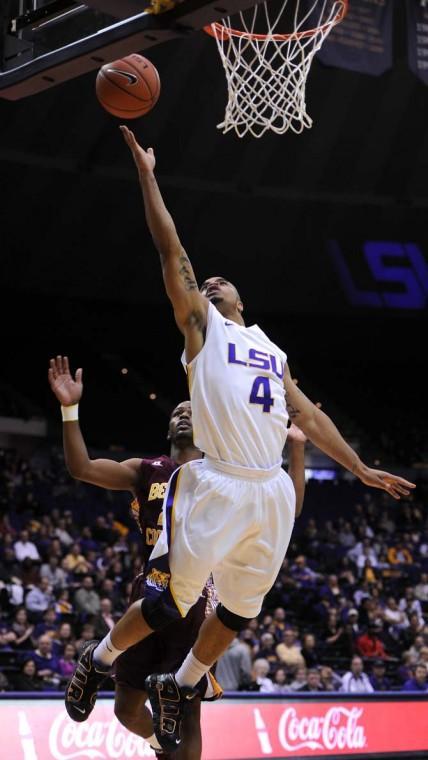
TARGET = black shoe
(169,702)
(81,691)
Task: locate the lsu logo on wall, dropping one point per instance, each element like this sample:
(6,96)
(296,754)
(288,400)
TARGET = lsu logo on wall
(158,579)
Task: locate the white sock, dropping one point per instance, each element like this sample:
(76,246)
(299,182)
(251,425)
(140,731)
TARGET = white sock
(106,653)
(153,742)
(191,671)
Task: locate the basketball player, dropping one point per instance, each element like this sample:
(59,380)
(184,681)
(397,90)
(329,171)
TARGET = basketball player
(231,513)
(146,479)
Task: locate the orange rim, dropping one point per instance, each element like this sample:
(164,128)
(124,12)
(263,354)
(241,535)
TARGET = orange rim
(219,30)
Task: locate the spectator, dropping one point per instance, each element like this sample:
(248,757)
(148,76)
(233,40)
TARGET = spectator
(421,589)
(86,598)
(67,662)
(260,681)
(370,645)
(39,599)
(22,628)
(7,637)
(330,681)
(63,637)
(279,680)
(378,679)
(104,621)
(355,680)
(56,576)
(310,651)
(234,667)
(63,606)
(346,537)
(419,680)
(62,533)
(405,670)
(48,625)
(299,679)
(267,649)
(288,651)
(410,605)
(87,634)
(46,663)
(27,678)
(313,682)
(75,562)
(279,621)
(24,548)
(399,555)
(394,616)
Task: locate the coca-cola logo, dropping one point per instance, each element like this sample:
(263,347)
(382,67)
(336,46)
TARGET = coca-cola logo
(336,730)
(94,739)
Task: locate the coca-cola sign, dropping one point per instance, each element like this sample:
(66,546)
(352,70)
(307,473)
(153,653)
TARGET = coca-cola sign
(232,730)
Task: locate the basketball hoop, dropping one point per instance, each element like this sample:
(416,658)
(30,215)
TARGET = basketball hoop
(266,71)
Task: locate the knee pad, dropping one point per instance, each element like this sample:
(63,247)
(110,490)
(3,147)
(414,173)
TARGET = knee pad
(157,614)
(230,620)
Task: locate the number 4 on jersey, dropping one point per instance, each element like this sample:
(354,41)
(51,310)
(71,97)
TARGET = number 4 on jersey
(260,393)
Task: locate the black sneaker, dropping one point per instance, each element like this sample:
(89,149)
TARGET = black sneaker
(169,702)
(81,691)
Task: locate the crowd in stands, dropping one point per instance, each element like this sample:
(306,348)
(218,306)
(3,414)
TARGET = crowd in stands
(348,612)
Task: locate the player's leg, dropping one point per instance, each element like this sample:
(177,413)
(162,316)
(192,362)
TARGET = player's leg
(130,710)
(191,744)
(253,550)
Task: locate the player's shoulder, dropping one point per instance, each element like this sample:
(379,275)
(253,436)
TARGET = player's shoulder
(163,462)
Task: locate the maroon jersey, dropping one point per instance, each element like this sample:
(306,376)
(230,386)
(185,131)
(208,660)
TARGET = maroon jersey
(150,490)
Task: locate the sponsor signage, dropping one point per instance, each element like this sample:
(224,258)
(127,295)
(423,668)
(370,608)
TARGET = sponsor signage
(232,730)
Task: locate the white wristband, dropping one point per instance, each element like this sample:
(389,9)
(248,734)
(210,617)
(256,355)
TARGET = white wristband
(70,413)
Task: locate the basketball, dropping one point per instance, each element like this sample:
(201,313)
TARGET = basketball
(129,87)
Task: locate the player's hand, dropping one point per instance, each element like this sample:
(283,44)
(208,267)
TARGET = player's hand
(67,390)
(295,435)
(144,159)
(392,484)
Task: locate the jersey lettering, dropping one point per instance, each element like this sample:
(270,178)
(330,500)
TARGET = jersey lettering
(257,359)
(157,491)
(152,536)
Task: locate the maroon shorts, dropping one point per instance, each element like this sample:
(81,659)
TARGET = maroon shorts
(161,652)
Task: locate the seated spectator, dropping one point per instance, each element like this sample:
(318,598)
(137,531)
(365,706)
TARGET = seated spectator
(393,616)
(337,641)
(24,548)
(63,606)
(405,670)
(22,628)
(399,555)
(104,621)
(279,681)
(310,651)
(63,636)
(370,645)
(322,609)
(260,680)
(313,682)
(86,599)
(250,640)
(48,625)
(352,621)
(331,590)
(75,562)
(61,532)
(355,680)
(7,637)
(299,679)
(233,669)
(56,576)
(330,681)
(87,633)
(421,588)
(47,664)
(67,662)
(288,651)
(410,605)
(304,575)
(419,680)
(346,536)
(413,631)
(279,621)
(39,599)
(27,678)
(378,679)
(267,649)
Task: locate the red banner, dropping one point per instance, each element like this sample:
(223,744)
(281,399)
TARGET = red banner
(41,730)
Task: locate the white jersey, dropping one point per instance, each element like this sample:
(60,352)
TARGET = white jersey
(237,393)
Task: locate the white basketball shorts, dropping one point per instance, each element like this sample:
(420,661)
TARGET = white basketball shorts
(230,521)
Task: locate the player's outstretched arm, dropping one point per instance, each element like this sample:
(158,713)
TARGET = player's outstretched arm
(296,440)
(118,476)
(190,307)
(323,433)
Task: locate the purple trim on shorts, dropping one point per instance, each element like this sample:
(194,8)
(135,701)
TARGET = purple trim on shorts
(170,502)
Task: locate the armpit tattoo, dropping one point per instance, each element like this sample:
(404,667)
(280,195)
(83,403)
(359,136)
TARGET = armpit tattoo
(185,272)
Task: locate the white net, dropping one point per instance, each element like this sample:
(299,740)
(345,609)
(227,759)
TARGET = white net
(267,68)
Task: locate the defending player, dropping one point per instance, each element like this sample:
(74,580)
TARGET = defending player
(231,513)
(146,479)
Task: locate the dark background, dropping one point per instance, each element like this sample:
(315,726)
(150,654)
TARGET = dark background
(79,274)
